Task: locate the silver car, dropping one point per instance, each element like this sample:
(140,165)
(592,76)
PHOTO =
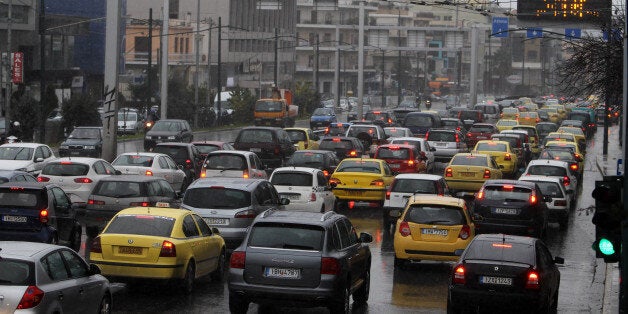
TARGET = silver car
(447,143)
(46,278)
(151,164)
(231,204)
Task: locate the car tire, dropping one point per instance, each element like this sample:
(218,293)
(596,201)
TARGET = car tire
(105,304)
(237,305)
(187,283)
(361,296)
(75,239)
(219,273)
(342,305)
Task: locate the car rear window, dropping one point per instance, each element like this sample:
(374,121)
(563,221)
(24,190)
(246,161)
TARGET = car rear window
(507,193)
(480,129)
(16,153)
(118,189)
(292,178)
(449,123)
(287,236)
(297,135)
(356,130)
(414,186)
(491,147)
(550,189)
(65,169)
(22,198)
(255,136)
(226,162)
(419,121)
(416,143)
(375,116)
(268,106)
(530,131)
(16,272)
(147,225)
(307,159)
(547,170)
(546,128)
(435,215)
(441,136)
(470,115)
(133,160)
(514,142)
(393,153)
(359,166)
(469,160)
(206,149)
(217,198)
(178,153)
(332,144)
(167,126)
(500,251)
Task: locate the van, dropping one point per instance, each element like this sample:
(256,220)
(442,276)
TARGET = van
(421,122)
(225,103)
(491,112)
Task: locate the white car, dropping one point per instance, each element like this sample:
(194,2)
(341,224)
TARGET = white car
(129,121)
(553,168)
(233,164)
(27,157)
(406,185)
(151,164)
(561,202)
(306,188)
(77,176)
(423,146)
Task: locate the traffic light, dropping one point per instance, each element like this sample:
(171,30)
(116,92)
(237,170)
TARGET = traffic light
(607,219)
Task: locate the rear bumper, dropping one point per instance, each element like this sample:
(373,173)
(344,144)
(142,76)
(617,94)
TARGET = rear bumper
(408,249)
(137,270)
(348,194)
(464,185)
(44,235)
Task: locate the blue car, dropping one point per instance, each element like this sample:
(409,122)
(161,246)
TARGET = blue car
(322,117)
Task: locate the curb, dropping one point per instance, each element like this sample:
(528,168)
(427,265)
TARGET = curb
(610,303)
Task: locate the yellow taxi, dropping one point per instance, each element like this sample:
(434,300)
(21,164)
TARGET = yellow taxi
(533,135)
(529,118)
(573,146)
(578,133)
(436,228)
(553,114)
(510,113)
(501,152)
(159,243)
(505,124)
(562,111)
(362,180)
(303,138)
(559,136)
(468,171)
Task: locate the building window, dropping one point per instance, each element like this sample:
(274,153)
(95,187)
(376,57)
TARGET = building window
(447,18)
(176,45)
(19,13)
(174,9)
(187,45)
(141,48)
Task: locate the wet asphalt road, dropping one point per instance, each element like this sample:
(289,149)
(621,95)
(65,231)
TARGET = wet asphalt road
(421,288)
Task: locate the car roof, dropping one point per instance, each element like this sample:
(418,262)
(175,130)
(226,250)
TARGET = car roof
(314,151)
(541,178)
(407,138)
(23,250)
(296,169)
(231,152)
(11,173)
(510,182)
(229,183)
(172,120)
(21,144)
(132,178)
(201,143)
(435,199)
(505,238)
(147,154)
(550,162)
(342,137)
(154,211)
(409,146)
(175,144)
(85,160)
(272,128)
(298,217)
(296,129)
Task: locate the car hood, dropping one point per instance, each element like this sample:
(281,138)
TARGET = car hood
(14,164)
(81,141)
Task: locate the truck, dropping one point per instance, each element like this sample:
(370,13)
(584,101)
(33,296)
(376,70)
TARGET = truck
(277,110)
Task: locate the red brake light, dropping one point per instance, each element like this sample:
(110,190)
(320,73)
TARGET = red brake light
(326,173)
(313,197)
(168,249)
(238,259)
(142,204)
(43,215)
(83,180)
(31,298)
(246,214)
(353,153)
(507,157)
(487,174)
(508,187)
(329,266)
(566,181)
(95,202)
(427,135)
(410,162)
(388,194)
(66,162)
(480,194)
(533,199)
(326,130)
(335,139)
(449,172)
(574,166)
(43,179)
(404,229)
(465,232)
(96,246)
(502,245)
(533,281)
(457,139)
(469,134)
(334,180)
(459,277)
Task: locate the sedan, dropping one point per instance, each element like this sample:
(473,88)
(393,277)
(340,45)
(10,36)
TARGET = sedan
(45,278)
(397,132)
(151,164)
(467,172)
(425,150)
(160,243)
(322,117)
(500,151)
(365,180)
(499,273)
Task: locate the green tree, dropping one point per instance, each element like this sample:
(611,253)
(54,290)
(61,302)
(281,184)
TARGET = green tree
(243,103)
(80,110)
(25,110)
(180,100)
(306,98)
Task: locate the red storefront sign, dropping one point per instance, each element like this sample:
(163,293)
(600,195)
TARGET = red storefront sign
(18,67)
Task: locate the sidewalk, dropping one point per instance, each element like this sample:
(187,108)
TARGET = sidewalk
(607,165)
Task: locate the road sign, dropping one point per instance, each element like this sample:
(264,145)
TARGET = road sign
(500,27)
(616,34)
(534,32)
(573,33)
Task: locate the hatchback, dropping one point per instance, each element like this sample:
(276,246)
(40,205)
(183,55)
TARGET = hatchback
(206,147)
(44,278)
(301,259)
(554,168)
(560,203)
(233,164)
(480,131)
(306,188)
(168,130)
(529,118)
(343,146)
(322,117)
(425,150)
(500,273)
(401,158)
(421,122)
(467,172)
(446,143)
(272,145)
(152,165)
(544,128)
(29,157)
(185,155)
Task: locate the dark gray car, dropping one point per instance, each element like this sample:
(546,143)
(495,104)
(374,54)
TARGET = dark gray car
(171,130)
(84,141)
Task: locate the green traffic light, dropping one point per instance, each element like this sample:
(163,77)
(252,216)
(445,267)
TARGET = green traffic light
(606,247)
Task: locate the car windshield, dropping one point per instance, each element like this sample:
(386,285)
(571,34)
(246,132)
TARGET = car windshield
(507,193)
(167,126)
(564,155)
(418,121)
(21,198)
(226,162)
(80,133)
(297,135)
(322,112)
(547,170)
(287,236)
(148,225)
(255,136)
(133,160)
(469,160)
(491,147)
(268,106)
(16,272)
(500,251)
(16,153)
(118,189)
(435,215)
(217,197)
(359,166)
(292,179)
(71,169)
(307,159)
(414,186)
(393,153)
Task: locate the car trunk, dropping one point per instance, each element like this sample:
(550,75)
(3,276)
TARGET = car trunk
(496,276)
(468,172)
(356,179)
(133,170)
(131,248)
(20,209)
(434,232)
(280,267)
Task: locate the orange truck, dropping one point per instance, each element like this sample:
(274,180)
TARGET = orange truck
(277,110)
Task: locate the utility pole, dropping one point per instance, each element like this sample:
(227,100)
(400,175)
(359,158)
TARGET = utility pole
(197,37)
(276,56)
(149,82)
(209,62)
(42,70)
(473,86)
(383,84)
(317,64)
(112,54)
(219,81)
(164,58)
(337,69)
(361,60)
(399,60)
(9,72)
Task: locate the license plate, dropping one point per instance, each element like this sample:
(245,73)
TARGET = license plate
(284,273)
(14,218)
(130,250)
(354,193)
(292,196)
(467,174)
(395,166)
(256,150)
(216,221)
(439,232)
(506,211)
(496,280)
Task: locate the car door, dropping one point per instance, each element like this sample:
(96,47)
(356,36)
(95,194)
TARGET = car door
(164,170)
(197,244)
(324,191)
(89,286)
(349,249)
(65,220)
(548,271)
(211,240)
(62,288)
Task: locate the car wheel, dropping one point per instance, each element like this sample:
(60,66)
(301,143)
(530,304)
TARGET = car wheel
(187,283)
(342,305)
(219,273)
(237,305)
(75,239)
(105,305)
(361,295)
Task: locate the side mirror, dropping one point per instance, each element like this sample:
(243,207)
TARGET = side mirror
(39,159)
(215,230)
(559,260)
(365,237)
(94,269)
(284,201)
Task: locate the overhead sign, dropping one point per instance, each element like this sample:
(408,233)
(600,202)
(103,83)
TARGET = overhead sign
(573,33)
(500,27)
(534,32)
(18,68)
(592,11)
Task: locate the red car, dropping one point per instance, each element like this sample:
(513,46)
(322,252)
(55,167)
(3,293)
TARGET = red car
(480,131)
(206,147)
(402,158)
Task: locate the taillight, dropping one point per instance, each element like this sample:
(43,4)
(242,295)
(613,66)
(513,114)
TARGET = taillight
(313,197)
(238,259)
(404,229)
(459,277)
(388,194)
(533,199)
(277,151)
(96,246)
(566,181)
(330,266)
(465,232)
(245,173)
(410,162)
(188,164)
(353,153)
(43,179)
(148,173)
(246,214)
(507,157)
(326,130)
(468,135)
(326,173)
(533,281)
(168,249)
(43,215)
(480,194)
(95,202)
(142,204)
(560,202)
(487,174)
(449,172)
(31,298)
(203,174)
(83,180)
(574,166)
(427,135)
(457,139)
(378,182)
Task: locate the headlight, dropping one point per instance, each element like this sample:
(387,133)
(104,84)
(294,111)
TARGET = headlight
(172,137)
(147,137)
(63,147)
(90,147)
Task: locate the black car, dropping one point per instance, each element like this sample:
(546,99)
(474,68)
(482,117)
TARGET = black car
(404,108)
(544,128)
(168,130)
(84,141)
(381,118)
(500,273)
(353,114)
(343,146)
(272,145)
(512,207)
(16,176)
(185,155)
(38,212)
(320,159)
(302,259)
